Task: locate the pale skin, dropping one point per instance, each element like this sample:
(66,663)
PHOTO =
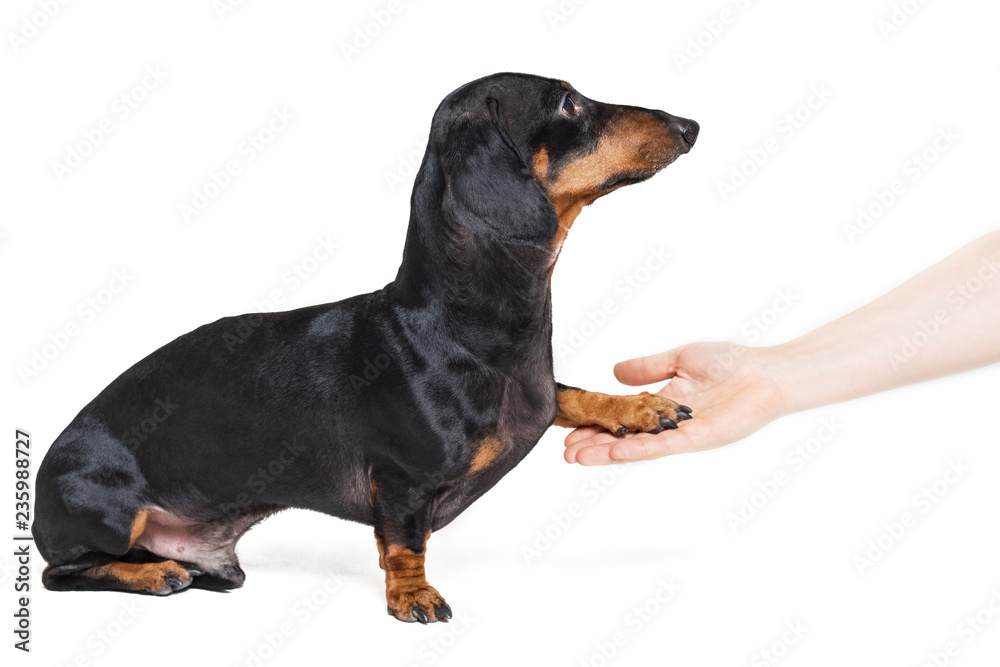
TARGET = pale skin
(944,320)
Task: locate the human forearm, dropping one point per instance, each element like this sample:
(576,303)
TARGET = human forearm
(944,320)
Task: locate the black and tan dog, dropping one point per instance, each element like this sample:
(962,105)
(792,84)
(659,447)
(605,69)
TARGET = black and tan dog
(396,409)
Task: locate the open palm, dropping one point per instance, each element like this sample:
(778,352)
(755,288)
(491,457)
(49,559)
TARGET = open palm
(724,383)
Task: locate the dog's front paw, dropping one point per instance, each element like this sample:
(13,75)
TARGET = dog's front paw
(421,605)
(643,413)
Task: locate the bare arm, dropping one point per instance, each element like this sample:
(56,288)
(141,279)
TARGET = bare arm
(944,320)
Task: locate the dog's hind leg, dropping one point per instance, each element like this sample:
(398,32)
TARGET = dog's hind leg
(209,546)
(114,568)
(88,515)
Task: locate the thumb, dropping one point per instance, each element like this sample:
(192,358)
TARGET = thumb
(647,370)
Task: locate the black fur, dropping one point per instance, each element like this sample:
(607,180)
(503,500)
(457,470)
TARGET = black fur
(307,408)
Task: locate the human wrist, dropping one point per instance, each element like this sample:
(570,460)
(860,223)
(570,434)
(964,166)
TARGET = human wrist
(784,368)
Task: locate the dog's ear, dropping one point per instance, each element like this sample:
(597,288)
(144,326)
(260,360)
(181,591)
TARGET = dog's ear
(489,187)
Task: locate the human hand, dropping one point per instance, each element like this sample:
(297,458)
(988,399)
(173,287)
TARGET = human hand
(734,390)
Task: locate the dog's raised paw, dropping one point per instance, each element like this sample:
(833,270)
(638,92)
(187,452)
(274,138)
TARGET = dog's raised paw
(645,413)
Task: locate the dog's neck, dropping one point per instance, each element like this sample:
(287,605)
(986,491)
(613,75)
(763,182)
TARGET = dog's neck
(497,294)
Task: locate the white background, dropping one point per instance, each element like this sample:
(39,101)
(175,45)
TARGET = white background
(325,176)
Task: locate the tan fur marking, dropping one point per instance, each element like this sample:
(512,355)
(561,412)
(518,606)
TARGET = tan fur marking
(406,585)
(567,210)
(138,525)
(141,577)
(638,413)
(489,449)
(380,543)
(636,142)
(540,165)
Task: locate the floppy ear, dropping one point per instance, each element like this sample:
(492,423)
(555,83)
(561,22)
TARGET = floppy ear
(489,188)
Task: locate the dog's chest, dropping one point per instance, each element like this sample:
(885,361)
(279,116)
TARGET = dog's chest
(528,407)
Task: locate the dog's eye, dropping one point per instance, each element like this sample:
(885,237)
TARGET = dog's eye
(568,107)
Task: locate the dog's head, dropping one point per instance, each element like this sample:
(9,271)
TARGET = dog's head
(521,155)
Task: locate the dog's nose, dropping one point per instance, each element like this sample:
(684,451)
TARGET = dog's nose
(688,129)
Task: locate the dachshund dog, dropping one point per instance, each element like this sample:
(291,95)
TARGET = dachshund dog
(395,409)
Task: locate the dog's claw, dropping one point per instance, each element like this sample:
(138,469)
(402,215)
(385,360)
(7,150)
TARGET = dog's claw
(195,573)
(172,585)
(622,430)
(684,408)
(668,423)
(418,605)
(683,415)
